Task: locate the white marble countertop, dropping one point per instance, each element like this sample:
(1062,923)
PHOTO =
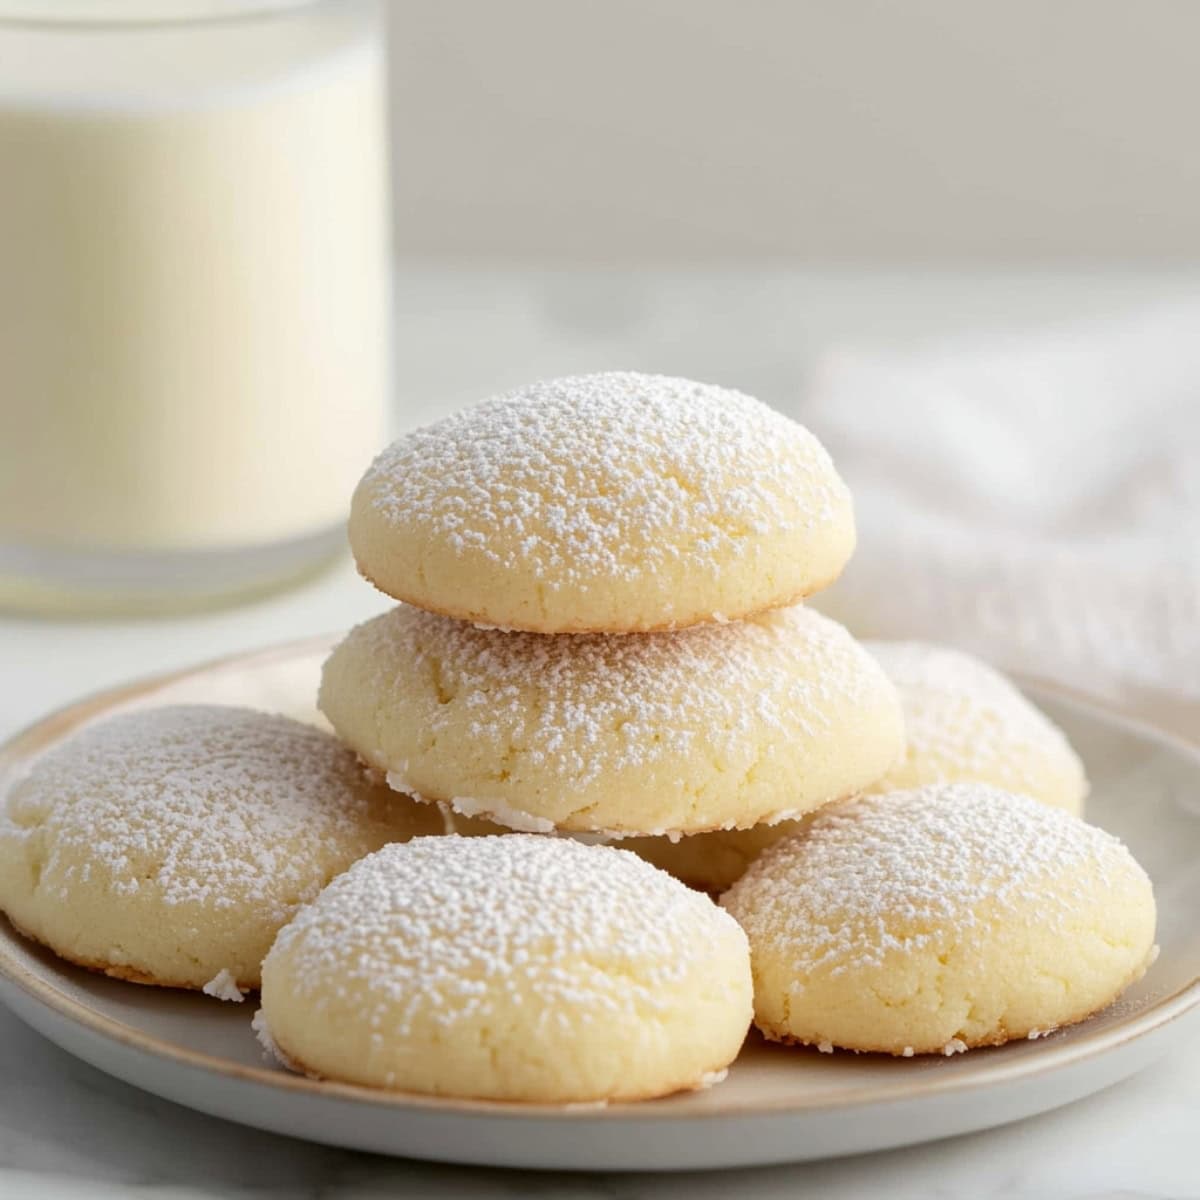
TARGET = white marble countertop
(68,1131)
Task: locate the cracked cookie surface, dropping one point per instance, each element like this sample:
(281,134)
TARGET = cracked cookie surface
(718,726)
(614,502)
(941,918)
(514,967)
(169,845)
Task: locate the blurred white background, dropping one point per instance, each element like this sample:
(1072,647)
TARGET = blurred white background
(865,130)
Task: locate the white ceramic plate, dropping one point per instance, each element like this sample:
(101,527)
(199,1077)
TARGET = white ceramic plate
(777,1105)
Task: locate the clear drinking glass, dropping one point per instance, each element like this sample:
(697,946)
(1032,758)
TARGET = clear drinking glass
(194,294)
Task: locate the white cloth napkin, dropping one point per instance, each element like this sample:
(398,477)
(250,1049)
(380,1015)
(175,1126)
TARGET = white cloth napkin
(1036,501)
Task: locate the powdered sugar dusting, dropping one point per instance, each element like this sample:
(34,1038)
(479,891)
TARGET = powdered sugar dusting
(210,806)
(966,720)
(890,872)
(502,814)
(450,930)
(270,1048)
(592,704)
(223,986)
(608,475)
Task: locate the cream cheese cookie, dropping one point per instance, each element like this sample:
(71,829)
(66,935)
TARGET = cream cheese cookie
(509,968)
(966,721)
(615,502)
(168,846)
(938,919)
(963,721)
(718,726)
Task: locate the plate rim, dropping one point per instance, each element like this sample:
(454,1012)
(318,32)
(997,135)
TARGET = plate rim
(1082,1047)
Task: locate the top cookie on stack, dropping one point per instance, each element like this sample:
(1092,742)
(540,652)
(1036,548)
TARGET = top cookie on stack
(609,503)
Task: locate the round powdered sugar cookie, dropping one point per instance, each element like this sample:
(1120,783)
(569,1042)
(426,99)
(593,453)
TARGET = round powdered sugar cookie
(966,721)
(941,918)
(717,726)
(615,502)
(168,846)
(963,721)
(509,968)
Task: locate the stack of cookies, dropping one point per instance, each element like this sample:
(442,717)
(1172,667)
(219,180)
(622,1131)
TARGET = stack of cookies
(600,631)
(600,640)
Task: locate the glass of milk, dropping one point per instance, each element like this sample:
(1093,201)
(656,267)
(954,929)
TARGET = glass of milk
(194,294)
